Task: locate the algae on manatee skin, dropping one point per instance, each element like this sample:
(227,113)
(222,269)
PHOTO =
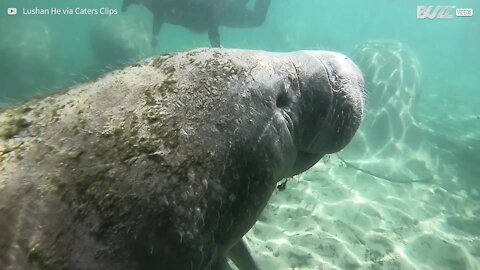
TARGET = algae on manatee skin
(112,158)
(169,82)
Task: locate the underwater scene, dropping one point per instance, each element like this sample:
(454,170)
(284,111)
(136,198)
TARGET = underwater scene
(239,134)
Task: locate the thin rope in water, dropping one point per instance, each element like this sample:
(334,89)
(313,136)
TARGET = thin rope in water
(383,177)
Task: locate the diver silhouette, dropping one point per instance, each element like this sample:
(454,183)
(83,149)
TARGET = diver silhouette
(202,16)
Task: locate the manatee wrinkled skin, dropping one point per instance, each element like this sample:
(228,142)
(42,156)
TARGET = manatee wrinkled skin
(168,163)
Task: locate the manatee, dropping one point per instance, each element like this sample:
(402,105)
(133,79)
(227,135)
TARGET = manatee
(167,163)
(203,15)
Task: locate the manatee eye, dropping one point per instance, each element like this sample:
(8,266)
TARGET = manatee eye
(282,100)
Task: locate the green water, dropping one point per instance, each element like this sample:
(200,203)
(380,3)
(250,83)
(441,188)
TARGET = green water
(40,54)
(447,49)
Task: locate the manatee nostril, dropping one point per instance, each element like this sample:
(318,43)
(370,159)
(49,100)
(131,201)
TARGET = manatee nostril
(283,100)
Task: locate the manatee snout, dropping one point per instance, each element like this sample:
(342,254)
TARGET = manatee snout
(332,90)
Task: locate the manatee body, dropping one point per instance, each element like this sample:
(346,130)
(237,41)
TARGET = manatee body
(203,15)
(166,164)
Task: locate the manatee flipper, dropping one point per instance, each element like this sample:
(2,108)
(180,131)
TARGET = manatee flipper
(156,27)
(221,263)
(242,258)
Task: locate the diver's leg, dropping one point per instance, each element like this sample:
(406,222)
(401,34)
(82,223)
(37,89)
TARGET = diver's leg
(214,36)
(260,12)
(156,27)
(241,16)
(242,258)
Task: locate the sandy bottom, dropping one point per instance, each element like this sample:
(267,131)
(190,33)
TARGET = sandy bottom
(335,217)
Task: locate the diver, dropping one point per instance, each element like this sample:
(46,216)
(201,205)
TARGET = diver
(202,16)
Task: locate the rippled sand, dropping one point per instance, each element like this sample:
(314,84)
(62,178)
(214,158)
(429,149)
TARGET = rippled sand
(333,217)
